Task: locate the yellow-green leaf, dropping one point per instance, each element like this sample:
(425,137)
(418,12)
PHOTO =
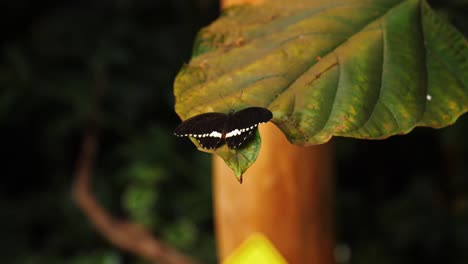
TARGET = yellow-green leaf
(363,69)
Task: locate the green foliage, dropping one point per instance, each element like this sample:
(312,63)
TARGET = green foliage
(362,69)
(241,159)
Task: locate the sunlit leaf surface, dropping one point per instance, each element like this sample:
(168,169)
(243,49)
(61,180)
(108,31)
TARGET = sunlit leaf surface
(363,69)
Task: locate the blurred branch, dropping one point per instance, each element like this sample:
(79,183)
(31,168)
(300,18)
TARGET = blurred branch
(122,233)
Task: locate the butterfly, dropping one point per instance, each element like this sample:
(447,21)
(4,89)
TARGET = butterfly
(211,130)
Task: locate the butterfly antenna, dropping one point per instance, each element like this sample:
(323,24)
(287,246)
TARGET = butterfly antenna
(242,92)
(231,104)
(239,99)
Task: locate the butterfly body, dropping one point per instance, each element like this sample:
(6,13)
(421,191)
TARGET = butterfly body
(234,128)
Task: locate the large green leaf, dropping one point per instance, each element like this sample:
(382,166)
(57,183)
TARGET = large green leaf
(363,69)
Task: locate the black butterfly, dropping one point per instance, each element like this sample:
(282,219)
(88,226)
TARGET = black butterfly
(213,129)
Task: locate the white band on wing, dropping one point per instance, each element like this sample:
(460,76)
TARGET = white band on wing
(216,134)
(235,132)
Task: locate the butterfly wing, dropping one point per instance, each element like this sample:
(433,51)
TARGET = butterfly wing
(207,129)
(209,142)
(241,126)
(236,138)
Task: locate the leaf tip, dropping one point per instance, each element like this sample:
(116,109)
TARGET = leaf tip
(239,178)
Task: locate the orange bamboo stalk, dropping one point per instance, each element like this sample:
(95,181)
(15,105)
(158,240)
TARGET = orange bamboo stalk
(287,195)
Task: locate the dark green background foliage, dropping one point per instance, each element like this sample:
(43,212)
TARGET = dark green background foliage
(401,200)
